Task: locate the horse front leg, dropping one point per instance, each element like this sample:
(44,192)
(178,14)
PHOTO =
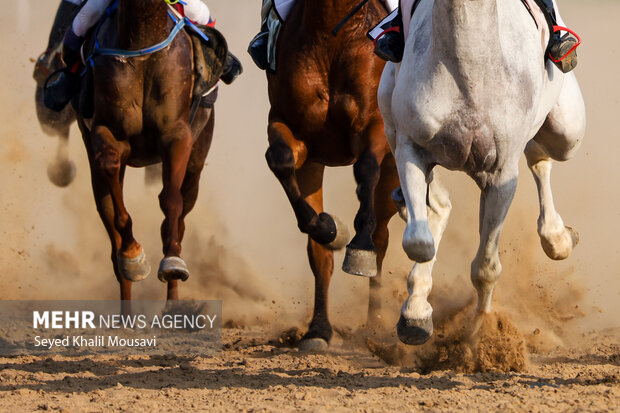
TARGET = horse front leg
(177,147)
(107,164)
(321,260)
(361,255)
(415,325)
(203,125)
(284,155)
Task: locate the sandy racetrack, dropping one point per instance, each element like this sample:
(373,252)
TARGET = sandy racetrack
(554,342)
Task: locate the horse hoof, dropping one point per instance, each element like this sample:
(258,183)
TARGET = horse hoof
(313,345)
(134,269)
(61,173)
(399,201)
(414,332)
(559,247)
(172,268)
(342,235)
(360,262)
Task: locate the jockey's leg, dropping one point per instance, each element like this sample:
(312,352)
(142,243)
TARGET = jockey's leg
(562,48)
(258,45)
(67,10)
(60,92)
(389,34)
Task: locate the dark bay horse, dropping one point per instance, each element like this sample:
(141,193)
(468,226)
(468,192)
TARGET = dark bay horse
(141,117)
(324,113)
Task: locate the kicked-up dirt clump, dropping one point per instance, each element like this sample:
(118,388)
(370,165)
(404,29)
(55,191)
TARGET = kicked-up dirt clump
(491,344)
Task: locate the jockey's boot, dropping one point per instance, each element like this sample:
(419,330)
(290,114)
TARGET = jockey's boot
(390,44)
(258,48)
(232,69)
(49,60)
(563,48)
(60,92)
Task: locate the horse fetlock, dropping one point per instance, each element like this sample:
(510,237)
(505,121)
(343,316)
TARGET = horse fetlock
(418,242)
(485,297)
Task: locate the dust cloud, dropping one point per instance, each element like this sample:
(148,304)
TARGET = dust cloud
(242,244)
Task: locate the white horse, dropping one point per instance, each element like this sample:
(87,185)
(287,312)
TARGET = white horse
(472,93)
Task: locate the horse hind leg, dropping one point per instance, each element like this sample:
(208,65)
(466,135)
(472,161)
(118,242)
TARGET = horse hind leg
(130,258)
(361,255)
(415,325)
(175,158)
(384,211)
(189,189)
(495,200)
(321,260)
(284,156)
(559,138)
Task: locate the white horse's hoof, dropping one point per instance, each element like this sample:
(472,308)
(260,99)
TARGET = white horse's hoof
(133,269)
(172,268)
(560,246)
(414,332)
(360,262)
(314,345)
(61,173)
(342,235)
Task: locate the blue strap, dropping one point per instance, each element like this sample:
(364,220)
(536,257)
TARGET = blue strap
(180,24)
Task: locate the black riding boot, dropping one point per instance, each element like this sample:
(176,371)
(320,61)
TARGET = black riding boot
(49,60)
(232,69)
(562,49)
(60,92)
(258,48)
(390,45)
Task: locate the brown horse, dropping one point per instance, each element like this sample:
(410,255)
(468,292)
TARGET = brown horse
(141,117)
(324,113)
